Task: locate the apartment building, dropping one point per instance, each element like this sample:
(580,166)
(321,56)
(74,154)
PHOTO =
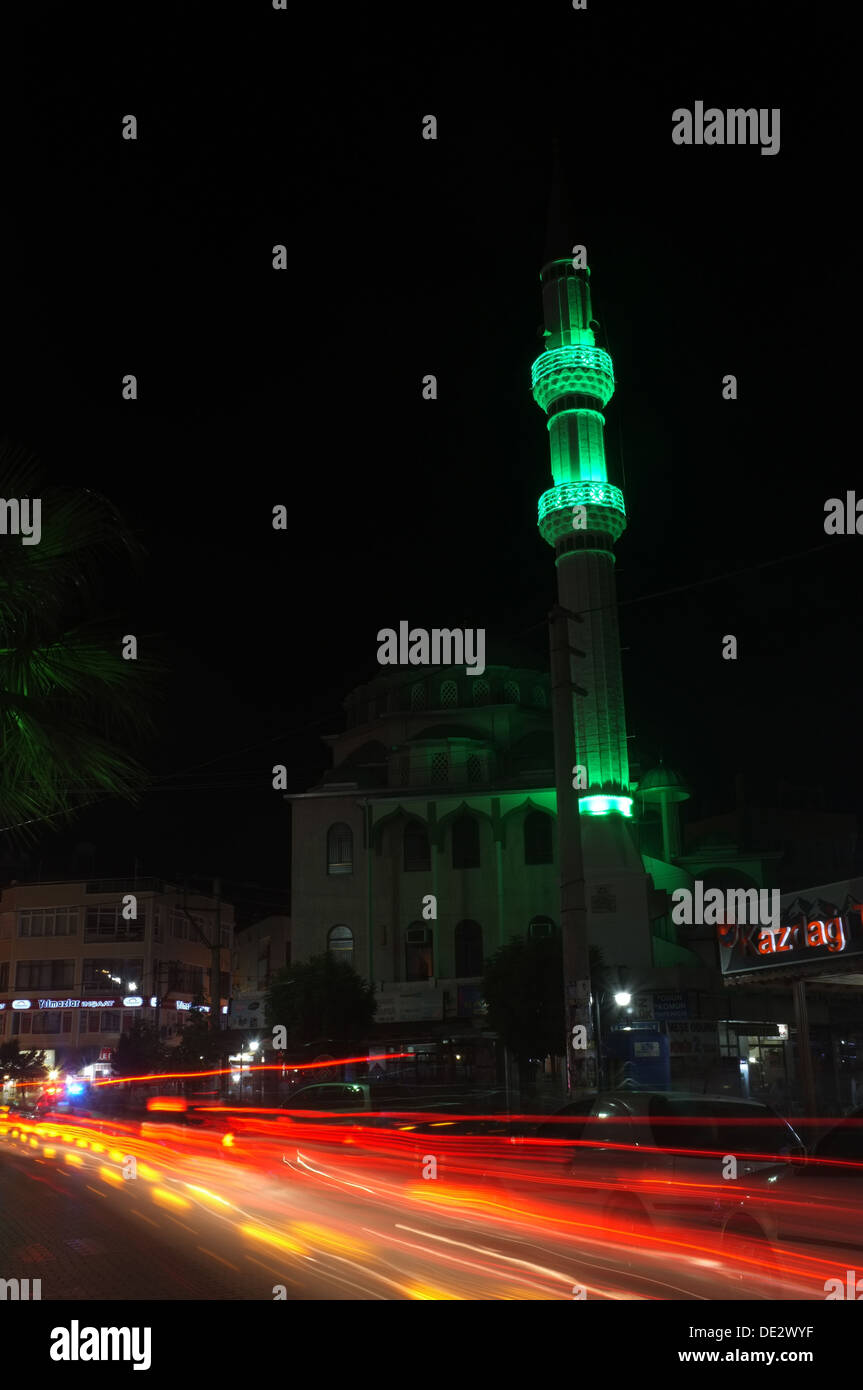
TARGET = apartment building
(81,960)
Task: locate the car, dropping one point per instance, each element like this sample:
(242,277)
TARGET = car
(348,1097)
(647,1160)
(788,1216)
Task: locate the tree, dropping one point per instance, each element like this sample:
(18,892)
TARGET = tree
(320,998)
(69,702)
(139,1051)
(523,989)
(200,1047)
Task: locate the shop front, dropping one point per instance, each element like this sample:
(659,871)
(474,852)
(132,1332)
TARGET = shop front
(810,965)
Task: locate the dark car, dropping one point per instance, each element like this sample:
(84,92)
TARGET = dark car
(644,1160)
(788,1217)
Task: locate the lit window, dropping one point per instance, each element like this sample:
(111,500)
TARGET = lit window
(340,945)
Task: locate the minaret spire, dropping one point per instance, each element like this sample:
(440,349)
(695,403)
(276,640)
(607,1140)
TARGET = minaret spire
(582,516)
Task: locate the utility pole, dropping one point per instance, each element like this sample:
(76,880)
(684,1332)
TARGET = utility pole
(214,943)
(579,1042)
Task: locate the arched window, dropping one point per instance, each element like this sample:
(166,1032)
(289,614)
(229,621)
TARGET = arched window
(340,849)
(439,769)
(510,692)
(474,768)
(448,695)
(417,855)
(468,949)
(481,692)
(538,838)
(340,945)
(541,926)
(419,952)
(465,842)
(539,696)
(418,695)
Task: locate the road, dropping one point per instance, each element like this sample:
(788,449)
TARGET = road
(212,1218)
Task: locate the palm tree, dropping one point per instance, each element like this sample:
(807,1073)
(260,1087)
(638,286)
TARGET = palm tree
(69,702)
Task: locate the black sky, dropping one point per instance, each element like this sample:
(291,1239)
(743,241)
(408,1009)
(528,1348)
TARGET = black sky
(406,257)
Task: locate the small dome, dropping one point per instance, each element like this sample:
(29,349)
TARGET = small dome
(662,782)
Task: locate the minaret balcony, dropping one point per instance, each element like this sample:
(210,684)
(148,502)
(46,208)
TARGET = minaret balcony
(588,370)
(603,503)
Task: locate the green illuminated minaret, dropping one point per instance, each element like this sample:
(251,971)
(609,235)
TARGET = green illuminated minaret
(573,381)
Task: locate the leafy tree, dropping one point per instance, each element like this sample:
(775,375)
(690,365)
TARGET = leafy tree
(523,989)
(200,1047)
(69,702)
(139,1051)
(320,998)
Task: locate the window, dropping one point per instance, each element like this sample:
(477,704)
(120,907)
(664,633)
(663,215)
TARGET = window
(510,693)
(468,949)
(340,945)
(183,979)
(98,974)
(263,978)
(439,769)
(481,692)
(541,926)
(183,928)
(448,695)
(4,975)
(417,854)
(45,974)
(474,768)
(48,921)
(419,953)
(418,695)
(42,1021)
(107,923)
(538,838)
(465,843)
(340,849)
(539,696)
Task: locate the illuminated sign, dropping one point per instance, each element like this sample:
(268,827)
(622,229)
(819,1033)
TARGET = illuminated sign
(75,1004)
(808,931)
(132,1002)
(21,1004)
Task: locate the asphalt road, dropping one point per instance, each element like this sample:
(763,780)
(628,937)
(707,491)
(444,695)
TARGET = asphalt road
(197,1223)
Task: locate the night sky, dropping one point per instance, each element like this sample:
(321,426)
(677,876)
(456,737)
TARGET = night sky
(303,387)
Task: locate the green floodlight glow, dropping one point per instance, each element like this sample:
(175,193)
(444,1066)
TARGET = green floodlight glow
(605,805)
(585,494)
(560,371)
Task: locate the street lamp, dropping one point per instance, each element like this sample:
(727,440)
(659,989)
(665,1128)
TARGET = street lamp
(622,998)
